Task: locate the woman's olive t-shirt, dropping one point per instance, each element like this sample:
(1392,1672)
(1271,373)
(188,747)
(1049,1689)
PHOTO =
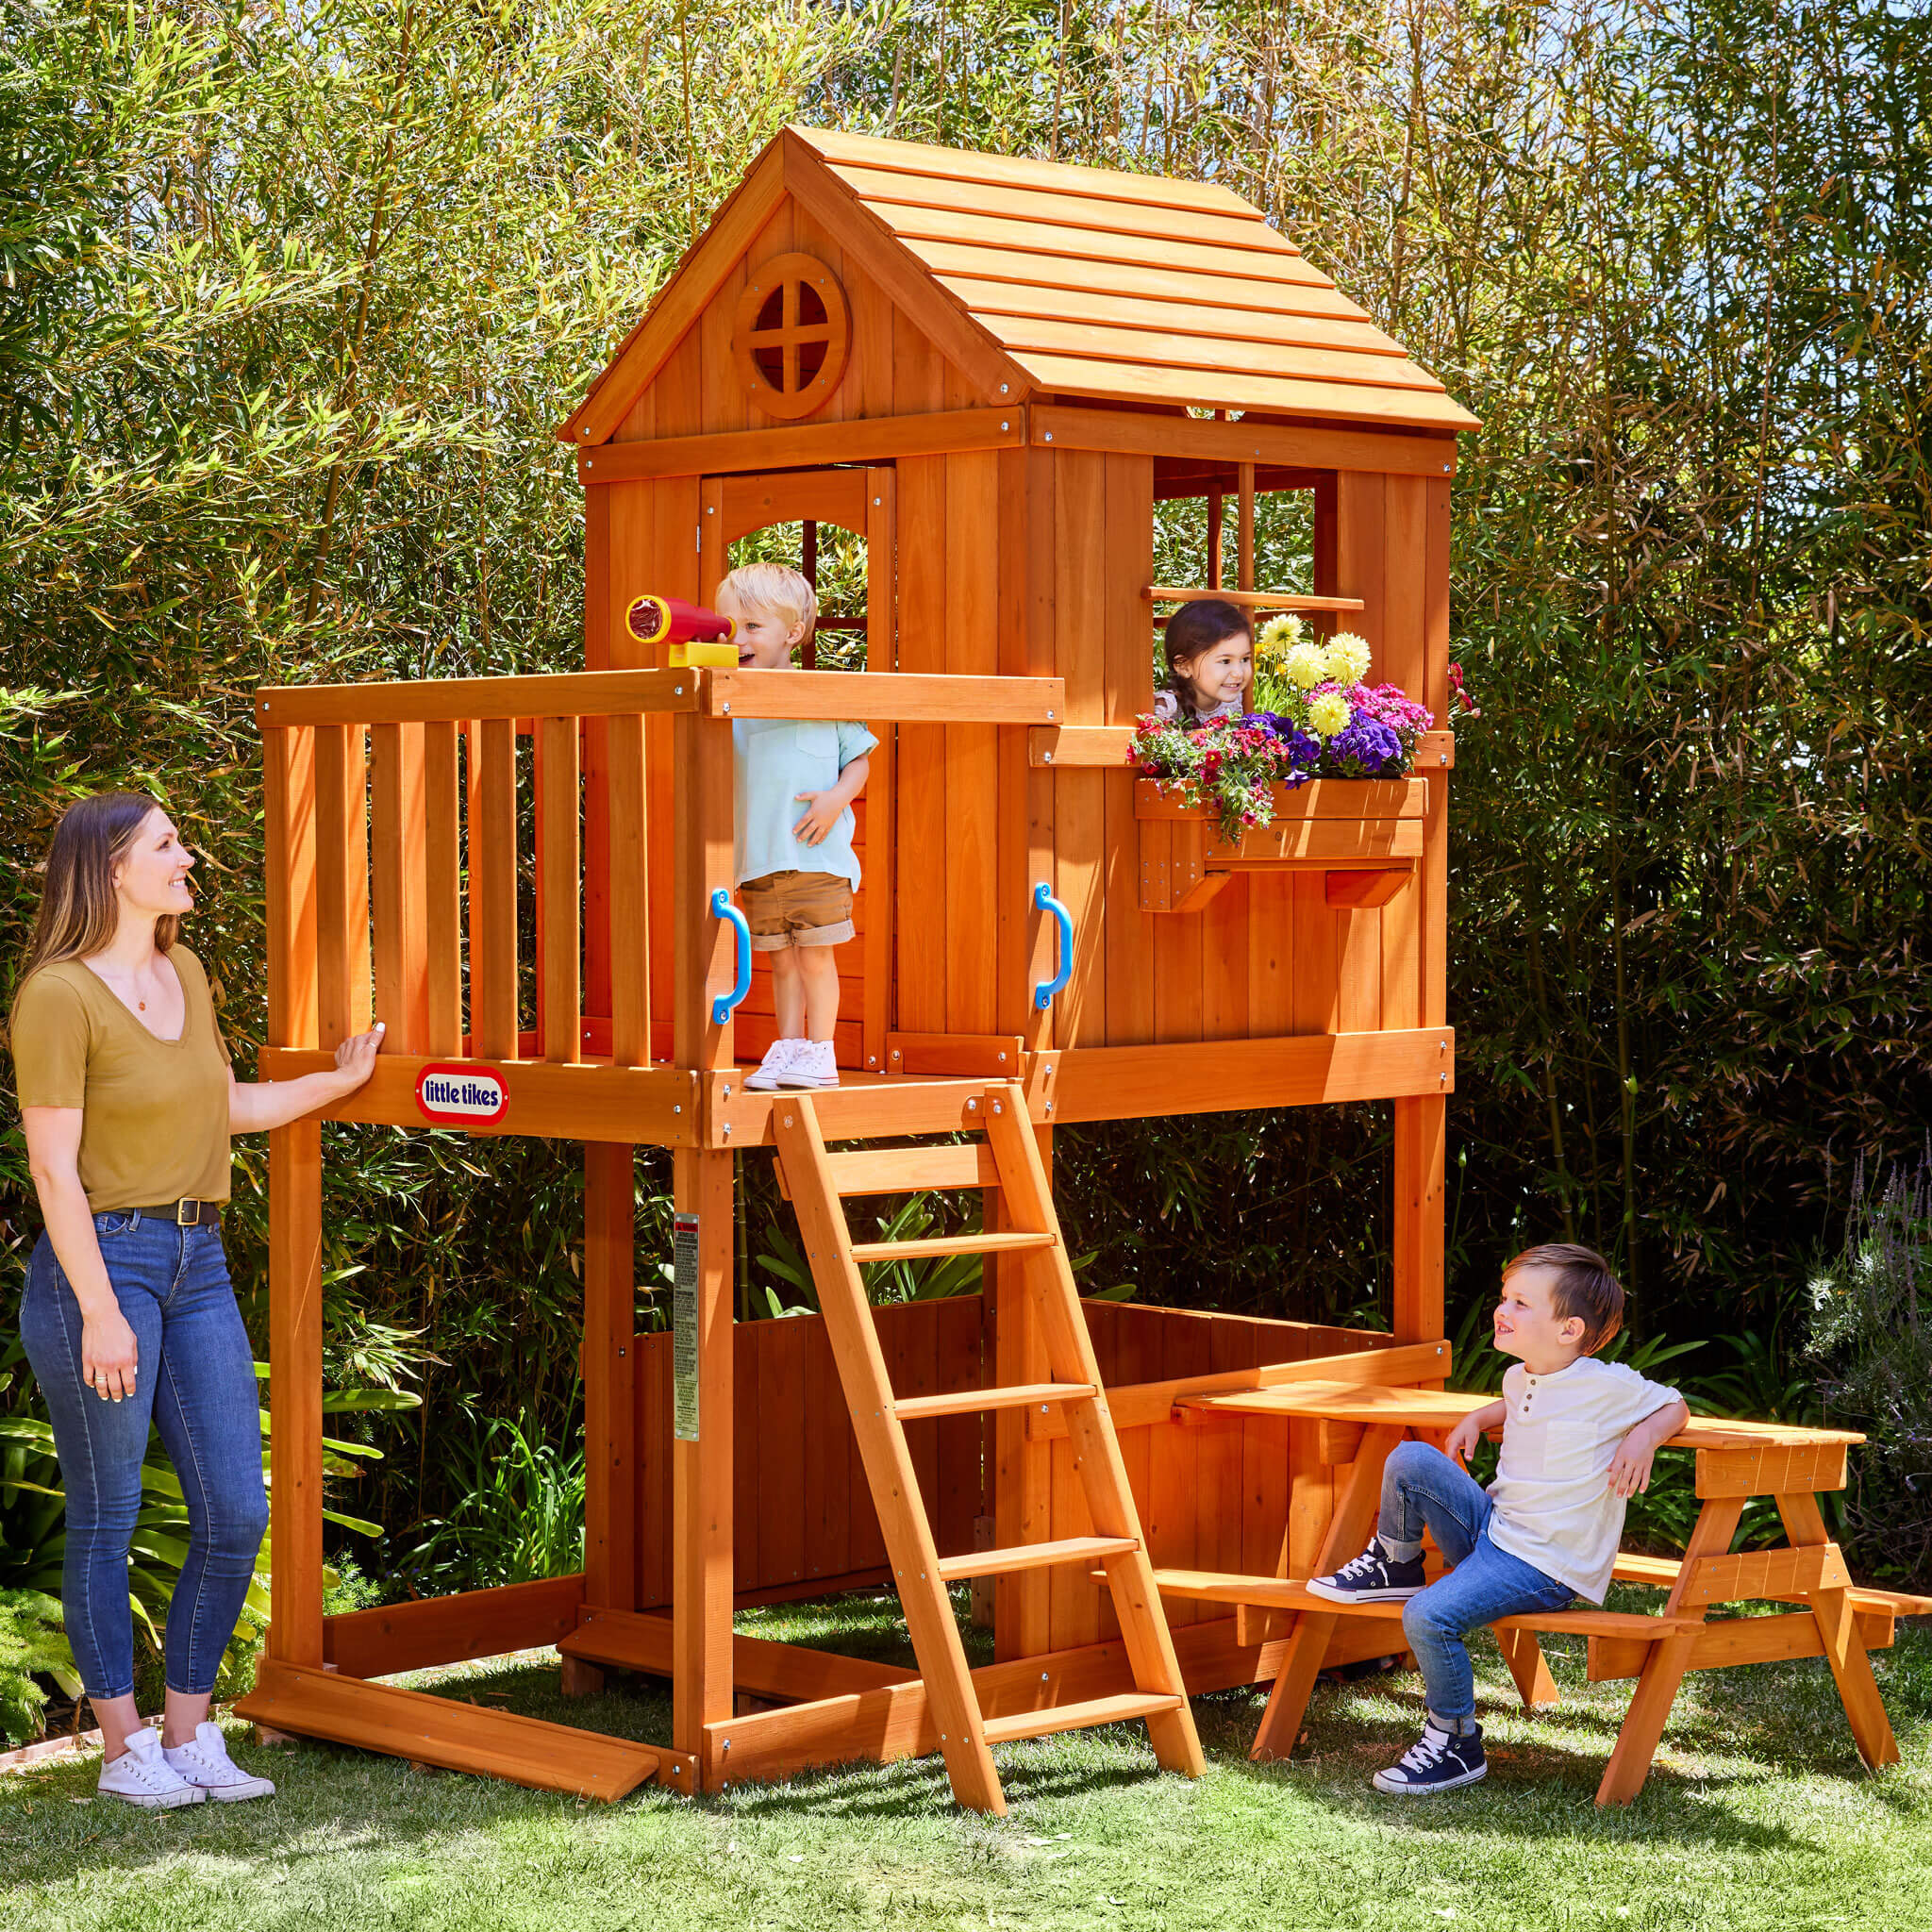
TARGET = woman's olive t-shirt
(153,1112)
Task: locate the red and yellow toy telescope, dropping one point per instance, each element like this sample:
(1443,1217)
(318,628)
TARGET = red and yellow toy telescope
(695,635)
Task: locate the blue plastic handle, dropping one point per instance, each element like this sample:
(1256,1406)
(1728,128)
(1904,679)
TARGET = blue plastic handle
(723,1006)
(1044,900)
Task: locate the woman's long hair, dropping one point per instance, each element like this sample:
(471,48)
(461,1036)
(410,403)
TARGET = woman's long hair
(79,911)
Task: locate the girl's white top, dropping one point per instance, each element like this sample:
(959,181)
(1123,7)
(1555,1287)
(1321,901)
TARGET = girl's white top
(1167,706)
(1561,1432)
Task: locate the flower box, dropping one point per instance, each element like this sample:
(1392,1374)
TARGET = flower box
(1365,834)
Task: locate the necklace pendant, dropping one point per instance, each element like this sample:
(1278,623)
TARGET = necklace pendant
(142,1004)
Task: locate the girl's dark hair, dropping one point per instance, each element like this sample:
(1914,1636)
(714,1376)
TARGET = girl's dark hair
(1202,625)
(78,909)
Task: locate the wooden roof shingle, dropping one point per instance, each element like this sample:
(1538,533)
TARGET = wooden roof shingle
(1084,282)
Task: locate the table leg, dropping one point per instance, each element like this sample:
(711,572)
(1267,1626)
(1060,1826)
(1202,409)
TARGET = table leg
(1838,1628)
(1528,1666)
(1663,1670)
(1308,1644)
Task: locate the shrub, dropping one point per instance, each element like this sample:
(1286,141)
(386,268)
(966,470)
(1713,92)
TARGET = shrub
(31,1645)
(1872,1342)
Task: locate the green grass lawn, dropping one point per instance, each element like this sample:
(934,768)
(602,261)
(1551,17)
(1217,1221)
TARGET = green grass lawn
(1757,1814)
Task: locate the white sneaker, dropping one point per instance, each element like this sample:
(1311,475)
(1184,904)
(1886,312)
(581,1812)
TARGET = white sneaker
(775,1064)
(812,1066)
(141,1775)
(205,1765)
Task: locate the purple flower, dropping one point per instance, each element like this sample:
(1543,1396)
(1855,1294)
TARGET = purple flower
(1364,748)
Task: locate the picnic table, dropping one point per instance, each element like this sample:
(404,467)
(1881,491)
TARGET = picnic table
(1736,1462)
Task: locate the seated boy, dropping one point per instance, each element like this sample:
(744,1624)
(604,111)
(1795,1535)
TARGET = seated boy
(1578,1436)
(796,872)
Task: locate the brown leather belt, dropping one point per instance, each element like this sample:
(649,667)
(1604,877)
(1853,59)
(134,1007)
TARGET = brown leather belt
(185,1213)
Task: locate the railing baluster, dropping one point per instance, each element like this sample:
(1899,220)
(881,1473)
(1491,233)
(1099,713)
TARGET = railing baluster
(493,892)
(396,888)
(629,896)
(557,886)
(342,883)
(288,766)
(443,910)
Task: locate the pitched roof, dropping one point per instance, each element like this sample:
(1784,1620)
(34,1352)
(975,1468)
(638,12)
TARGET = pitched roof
(1090,282)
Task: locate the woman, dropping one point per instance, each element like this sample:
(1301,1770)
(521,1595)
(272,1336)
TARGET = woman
(128,1101)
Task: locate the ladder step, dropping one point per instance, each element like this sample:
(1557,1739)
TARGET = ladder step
(1072,1549)
(911,1408)
(950,1244)
(1078,1717)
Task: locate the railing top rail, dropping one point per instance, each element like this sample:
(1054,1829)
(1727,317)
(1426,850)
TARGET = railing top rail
(556,695)
(884,697)
(875,696)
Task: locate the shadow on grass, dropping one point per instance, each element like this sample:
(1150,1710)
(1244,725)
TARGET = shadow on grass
(1730,1733)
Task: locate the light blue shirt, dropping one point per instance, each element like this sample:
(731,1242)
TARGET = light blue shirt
(773,760)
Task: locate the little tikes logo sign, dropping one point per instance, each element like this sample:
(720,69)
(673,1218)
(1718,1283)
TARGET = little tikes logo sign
(461,1096)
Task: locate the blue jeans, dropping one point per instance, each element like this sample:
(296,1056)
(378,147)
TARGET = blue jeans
(1423,1488)
(195,1381)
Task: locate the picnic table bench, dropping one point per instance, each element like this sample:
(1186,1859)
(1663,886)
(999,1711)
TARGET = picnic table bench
(1736,1462)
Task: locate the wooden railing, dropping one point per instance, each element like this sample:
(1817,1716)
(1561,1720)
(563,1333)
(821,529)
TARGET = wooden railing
(393,812)
(398,837)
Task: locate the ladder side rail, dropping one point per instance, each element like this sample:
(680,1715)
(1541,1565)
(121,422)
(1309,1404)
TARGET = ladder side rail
(1097,1455)
(889,1469)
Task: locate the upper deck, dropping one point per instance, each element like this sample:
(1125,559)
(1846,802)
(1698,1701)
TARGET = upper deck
(517,876)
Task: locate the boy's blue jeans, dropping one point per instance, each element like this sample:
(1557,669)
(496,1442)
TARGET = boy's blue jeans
(1422,1489)
(195,1380)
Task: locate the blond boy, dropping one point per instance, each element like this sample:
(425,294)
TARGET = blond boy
(795,870)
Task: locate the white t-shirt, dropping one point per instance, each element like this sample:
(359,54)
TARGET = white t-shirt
(1561,1433)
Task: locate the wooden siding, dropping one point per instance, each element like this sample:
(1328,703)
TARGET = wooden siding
(801,1512)
(1252,1496)
(1248,1495)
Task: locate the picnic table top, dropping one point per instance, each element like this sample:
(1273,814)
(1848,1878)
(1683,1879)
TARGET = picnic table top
(1442,1409)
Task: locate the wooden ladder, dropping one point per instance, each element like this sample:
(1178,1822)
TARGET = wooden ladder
(1007,1160)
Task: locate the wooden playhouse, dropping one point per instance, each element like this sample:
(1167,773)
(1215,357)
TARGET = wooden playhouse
(992,371)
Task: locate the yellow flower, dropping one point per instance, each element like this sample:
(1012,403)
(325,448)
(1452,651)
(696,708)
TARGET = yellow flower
(1306,665)
(1328,714)
(1277,637)
(1348,657)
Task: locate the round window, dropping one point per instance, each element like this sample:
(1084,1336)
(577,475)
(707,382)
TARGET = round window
(793,331)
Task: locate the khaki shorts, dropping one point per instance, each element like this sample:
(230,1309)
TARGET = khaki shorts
(796,908)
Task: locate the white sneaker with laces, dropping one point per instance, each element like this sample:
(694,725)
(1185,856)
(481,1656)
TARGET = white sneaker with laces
(141,1775)
(206,1766)
(775,1064)
(813,1066)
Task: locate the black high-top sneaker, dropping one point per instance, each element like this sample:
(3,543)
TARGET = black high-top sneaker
(1439,1762)
(1373,1577)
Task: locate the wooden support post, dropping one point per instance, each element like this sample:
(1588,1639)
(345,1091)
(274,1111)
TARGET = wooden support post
(704,966)
(609,1371)
(1421,1140)
(701,1473)
(1245,475)
(294,1346)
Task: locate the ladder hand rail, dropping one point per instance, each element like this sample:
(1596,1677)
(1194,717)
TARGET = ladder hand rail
(724,1005)
(1044,901)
